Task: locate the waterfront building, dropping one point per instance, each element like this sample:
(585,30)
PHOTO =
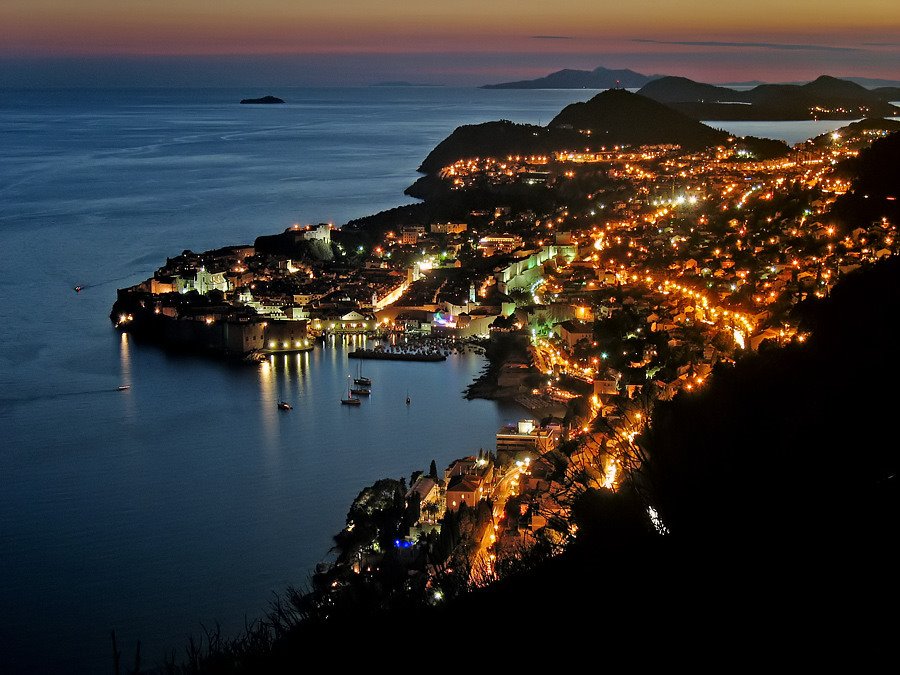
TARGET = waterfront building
(348,322)
(286,336)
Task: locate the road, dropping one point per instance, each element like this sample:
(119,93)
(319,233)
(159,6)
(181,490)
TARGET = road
(483,557)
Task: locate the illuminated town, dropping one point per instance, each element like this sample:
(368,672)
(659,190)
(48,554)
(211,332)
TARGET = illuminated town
(660,269)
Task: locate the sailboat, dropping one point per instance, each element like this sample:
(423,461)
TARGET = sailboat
(360,380)
(349,400)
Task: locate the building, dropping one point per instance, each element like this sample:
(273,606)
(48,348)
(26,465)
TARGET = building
(243,336)
(573,331)
(410,234)
(321,233)
(448,228)
(202,281)
(286,336)
(468,481)
(525,439)
(351,322)
(426,488)
(504,243)
(467,489)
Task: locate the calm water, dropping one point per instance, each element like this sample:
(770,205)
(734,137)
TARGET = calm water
(190,498)
(790,131)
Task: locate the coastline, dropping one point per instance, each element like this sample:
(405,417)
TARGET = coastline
(510,376)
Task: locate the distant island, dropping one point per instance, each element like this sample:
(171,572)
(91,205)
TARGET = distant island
(265,100)
(609,78)
(598,78)
(825,98)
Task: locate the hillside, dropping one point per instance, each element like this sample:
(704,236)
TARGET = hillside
(495,139)
(889,94)
(682,89)
(598,78)
(824,98)
(618,117)
(614,117)
(877,126)
(876,187)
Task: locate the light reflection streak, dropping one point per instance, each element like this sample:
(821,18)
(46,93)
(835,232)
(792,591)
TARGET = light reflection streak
(125,372)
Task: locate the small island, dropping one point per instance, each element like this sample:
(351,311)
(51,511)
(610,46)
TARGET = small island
(265,100)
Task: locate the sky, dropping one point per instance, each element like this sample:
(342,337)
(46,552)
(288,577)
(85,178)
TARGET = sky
(458,42)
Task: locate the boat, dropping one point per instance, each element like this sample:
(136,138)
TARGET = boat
(284,405)
(123,387)
(407,400)
(78,288)
(360,391)
(350,400)
(360,380)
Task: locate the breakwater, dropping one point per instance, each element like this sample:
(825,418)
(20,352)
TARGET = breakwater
(396,356)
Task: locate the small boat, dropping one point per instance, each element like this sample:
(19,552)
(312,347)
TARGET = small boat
(123,387)
(284,405)
(78,288)
(407,400)
(360,380)
(350,400)
(360,391)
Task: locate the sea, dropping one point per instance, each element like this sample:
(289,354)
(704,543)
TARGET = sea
(190,500)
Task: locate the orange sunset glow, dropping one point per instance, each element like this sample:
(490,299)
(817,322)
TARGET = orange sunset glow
(769,38)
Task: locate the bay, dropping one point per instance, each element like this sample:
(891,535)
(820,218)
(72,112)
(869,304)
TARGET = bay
(789,131)
(189,499)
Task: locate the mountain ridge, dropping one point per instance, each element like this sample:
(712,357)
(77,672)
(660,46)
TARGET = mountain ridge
(568,78)
(825,97)
(613,117)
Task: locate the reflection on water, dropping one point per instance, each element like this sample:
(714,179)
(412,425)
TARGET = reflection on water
(125,373)
(267,400)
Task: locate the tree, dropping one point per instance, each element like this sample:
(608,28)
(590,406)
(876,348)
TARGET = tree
(432,470)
